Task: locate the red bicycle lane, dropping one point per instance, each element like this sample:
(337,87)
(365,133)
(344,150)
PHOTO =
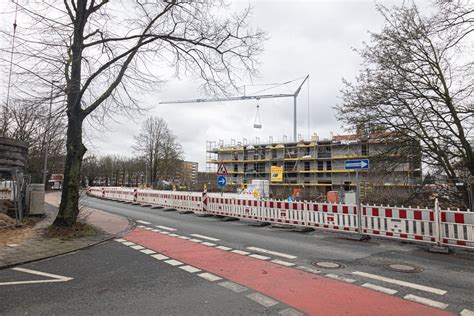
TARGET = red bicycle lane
(307,292)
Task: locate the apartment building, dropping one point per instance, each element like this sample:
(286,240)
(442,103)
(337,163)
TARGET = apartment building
(318,164)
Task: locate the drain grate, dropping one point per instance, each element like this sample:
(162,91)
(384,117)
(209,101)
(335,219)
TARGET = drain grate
(403,267)
(328,264)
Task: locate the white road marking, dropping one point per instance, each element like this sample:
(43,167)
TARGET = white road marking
(283,263)
(467,312)
(205,237)
(173,262)
(237,288)
(195,240)
(379,288)
(119,240)
(156,230)
(425,301)
(143,222)
(184,237)
(128,243)
(148,228)
(141,226)
(290,312)
(270,252)
(340,278)
(159,257)
(209,276)
(224,248)
(171,229)
(148,251)
(137,247)
(190,269)
(210,244)
(240,252)
(173,235)
(402,283)
(54,277)
(165,233)
(259,257)
(310,270)
(262,299)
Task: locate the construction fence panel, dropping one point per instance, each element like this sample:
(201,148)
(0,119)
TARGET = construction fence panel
(414,224)
(457,228)
(339,217)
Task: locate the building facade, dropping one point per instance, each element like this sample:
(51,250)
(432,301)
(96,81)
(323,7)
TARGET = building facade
(188,174)
(317,166)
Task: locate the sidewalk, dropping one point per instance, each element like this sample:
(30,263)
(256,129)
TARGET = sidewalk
(39,247)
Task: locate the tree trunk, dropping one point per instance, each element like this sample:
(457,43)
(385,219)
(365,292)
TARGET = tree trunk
(69,207)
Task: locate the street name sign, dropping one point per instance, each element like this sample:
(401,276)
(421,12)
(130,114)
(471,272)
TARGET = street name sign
(222,171)
(221,181)
(356,164)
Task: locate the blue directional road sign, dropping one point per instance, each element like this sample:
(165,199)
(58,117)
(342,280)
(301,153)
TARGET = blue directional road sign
(356,164)
(221,181)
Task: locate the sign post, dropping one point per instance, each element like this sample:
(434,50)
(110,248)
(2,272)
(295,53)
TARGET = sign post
(222,177)
(357,165)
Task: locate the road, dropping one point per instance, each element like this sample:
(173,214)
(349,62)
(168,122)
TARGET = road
(250,270)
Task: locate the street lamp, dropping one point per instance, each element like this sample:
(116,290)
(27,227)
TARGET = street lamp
(45,165)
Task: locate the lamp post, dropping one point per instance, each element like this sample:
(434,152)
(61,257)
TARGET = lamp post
(46,147)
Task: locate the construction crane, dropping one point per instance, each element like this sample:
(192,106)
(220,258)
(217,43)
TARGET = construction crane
(254,97)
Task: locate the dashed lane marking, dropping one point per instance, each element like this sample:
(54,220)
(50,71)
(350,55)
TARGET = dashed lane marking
(209,276)
(467,312)
(148,228)
(171,229)
(379,288)
(425,301)
(259,257)
(283,263)
(143,222)
(184,237)
(190,269)
(119,240)
(270,252)
(173,262)
(164,233)
(307,269)
(141,226)
(262,299)
(195,240)
(160,257)
(148,251)
(401,283)
(128,243)
(224,248)
(237,288)
(173,235)
(205,237)
(156,230)
(210,244)
(137,247)
(340,278)
(240,252)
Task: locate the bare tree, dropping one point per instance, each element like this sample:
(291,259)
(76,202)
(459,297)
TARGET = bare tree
(418,85)
(102,53)
(157,144)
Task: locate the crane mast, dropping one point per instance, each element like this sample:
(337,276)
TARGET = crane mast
(253,97)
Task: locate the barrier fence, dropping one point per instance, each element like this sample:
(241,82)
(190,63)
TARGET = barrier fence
(433,226)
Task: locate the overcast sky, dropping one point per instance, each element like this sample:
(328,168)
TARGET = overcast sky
(306,37)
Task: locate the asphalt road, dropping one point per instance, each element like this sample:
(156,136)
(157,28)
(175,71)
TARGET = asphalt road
(112,279)
(452,275)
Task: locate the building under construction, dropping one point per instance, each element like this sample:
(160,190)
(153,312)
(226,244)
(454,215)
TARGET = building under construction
(317,166)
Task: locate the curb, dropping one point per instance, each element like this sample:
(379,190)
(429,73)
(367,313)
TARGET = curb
(131,226)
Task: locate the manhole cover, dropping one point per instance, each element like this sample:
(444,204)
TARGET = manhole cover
(327,264)
(403,267)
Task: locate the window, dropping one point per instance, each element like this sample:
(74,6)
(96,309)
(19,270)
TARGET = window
(236,167)
(306,165)
(364,149)
(320,165)
(328,165)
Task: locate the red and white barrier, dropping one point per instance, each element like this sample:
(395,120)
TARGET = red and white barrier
(450,228)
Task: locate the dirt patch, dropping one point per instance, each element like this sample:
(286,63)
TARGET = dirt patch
(14,235)
(80,229)
(6,221)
